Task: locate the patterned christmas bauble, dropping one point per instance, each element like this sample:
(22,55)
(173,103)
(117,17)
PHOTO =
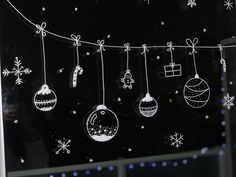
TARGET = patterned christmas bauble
(45,99)
(148,106)
(102,124)
(196,92)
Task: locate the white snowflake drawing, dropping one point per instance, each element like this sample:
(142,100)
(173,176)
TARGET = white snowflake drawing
(63,145)
(191,3)
(17,71)
(176,140)
(228,4)
(228,101)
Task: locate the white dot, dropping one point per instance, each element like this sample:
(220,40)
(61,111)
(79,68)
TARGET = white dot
(231,83)
(204,150)
(108,36)
(158,57)
(15,121)
(142,127)
(43,8)
(90,160)
(63,175)
(74,112)
(170,100)
(76,8)
(204,30)
(154,164)
(87,53)
(142,164)
(129,149)
(162,23)
(22,160)
(207,116)
(176,92)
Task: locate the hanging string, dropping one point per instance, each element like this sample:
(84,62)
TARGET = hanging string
(111,46)
(40,30)
(170,49)
(192,44)
(76,44)
(101,49)
(127,49)
(145,50)
(222,60)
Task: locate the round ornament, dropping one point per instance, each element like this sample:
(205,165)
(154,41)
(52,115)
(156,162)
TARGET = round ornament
(148,106)
(45,99)
(196,92)
(102,124)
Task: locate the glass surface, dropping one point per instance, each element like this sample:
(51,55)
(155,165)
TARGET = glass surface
(31,136)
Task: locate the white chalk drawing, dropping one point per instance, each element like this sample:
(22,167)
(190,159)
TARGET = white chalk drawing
(228,101)
(228,4)
(78,69)
(63,146)
(18,70)
(148,106)
(102,124)
(191,3)
(44,99)
(176,140)
(222,60)
(172,70)
(196,90)
(127,79)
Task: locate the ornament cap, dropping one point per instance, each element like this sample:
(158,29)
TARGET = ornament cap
(148,98)
(197,76)
(100,107)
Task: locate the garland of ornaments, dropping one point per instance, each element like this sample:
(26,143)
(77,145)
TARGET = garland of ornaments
(102,123)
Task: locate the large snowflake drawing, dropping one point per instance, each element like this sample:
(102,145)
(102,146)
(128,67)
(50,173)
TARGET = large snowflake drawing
(63,145)
(176,140)
(191,3)
(228,4)
(18,71)
(228,101)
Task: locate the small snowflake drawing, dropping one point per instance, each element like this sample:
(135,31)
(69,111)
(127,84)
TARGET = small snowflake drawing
(63,145)
(228,4)
(176,140)
(18,71)
(191,3)
(228,101)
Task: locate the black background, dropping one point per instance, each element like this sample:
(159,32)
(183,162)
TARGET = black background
(34,137)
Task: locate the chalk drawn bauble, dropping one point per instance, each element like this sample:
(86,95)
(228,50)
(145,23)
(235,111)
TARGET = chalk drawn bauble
(196,92)
(148,106)
(45,99)
(102,124)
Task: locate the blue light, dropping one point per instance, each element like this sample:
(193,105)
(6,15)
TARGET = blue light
(142,164)
(87,172)
(153,164)
(131,166)
(195,156)
(75,174)
(222,89)
(164,164)
(99,168)
(185,161)
(111,168)
(222,111)
(175,164)
(51,175)
(63,175)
